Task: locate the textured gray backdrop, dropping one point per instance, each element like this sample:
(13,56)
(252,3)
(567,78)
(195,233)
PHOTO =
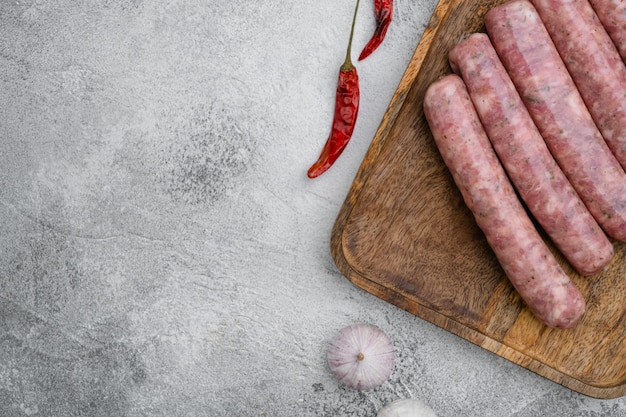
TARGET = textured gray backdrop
(162,252)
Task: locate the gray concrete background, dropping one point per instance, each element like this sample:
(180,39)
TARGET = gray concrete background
(162,252)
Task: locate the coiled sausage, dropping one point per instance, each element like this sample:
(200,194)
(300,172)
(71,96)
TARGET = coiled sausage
(476,170)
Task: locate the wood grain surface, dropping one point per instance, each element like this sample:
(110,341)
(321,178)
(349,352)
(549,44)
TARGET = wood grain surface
(405,235)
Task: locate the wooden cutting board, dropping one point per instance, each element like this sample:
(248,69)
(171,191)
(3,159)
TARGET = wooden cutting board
(405,235)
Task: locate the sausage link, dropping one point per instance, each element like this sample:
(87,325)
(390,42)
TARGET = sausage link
(555,105)
(486,190)
(594,64)
(612,14)
(523,153)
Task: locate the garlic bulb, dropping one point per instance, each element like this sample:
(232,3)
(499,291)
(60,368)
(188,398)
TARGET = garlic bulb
(361,356)
(406,408)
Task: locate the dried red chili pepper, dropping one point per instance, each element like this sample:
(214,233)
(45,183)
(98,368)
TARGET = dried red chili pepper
(384,12)
(346,111)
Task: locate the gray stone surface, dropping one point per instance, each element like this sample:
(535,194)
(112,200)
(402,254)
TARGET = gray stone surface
(162,252)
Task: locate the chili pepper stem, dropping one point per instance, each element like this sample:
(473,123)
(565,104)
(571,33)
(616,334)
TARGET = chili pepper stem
(347,64)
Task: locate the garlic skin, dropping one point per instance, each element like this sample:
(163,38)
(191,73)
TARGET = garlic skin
(406,408)
(361,356)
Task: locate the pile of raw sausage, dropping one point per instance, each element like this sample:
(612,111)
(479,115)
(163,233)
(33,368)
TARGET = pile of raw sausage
(536,109)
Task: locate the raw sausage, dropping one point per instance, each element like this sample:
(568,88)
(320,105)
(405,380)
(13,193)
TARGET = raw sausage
(612,14)
(526,158)
(554,103)
(594,64)
(476,170)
